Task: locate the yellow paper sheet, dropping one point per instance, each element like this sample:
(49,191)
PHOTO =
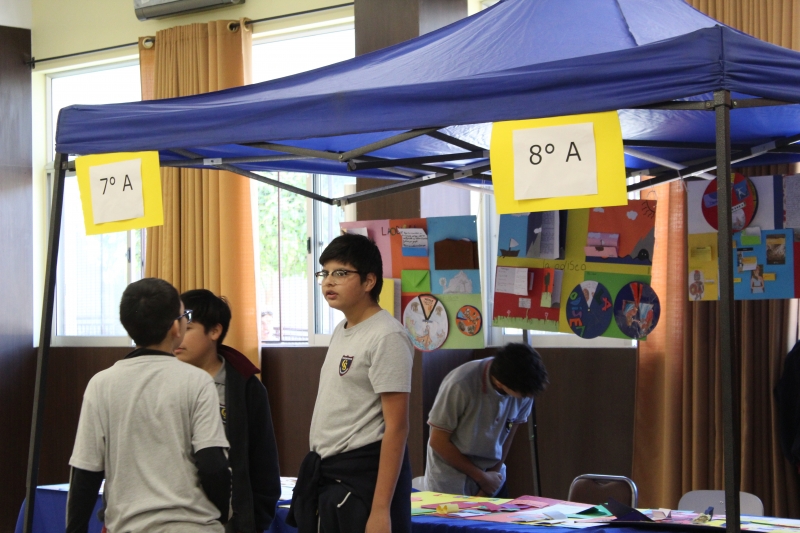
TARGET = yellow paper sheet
(611,187)
(151,191)
(703,269)
(386,300)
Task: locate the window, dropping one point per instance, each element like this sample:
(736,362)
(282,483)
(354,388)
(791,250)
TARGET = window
(93,271)
(284,220)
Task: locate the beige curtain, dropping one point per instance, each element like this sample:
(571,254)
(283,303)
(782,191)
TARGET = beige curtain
(678,418)
(207,237)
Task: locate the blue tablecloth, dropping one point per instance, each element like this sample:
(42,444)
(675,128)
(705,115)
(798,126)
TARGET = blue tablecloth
(49,516)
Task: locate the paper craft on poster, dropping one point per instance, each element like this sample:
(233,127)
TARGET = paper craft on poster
(557,285)
(512,281)
(548,235)
(525,303)
(791,201)
(357,231)
(565,152)
(458,284)
(415,242)
(751,236)
(533,235)
(117,191)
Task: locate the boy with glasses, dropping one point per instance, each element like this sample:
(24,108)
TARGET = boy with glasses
(357,476)
(243,407)
(150,426)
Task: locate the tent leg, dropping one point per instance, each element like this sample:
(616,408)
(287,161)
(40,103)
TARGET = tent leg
(730,418)
(45,334)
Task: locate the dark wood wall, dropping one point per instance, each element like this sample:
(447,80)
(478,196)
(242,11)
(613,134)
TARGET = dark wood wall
(17,357)
(585,418)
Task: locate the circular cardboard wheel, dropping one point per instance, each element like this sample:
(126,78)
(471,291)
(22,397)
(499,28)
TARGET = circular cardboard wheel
(469,320)
(637,309)
(744,202)
(425,319)
(589,309)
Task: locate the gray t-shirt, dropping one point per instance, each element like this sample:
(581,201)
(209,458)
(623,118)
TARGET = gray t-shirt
(363,361)
(141,422)
(479,419)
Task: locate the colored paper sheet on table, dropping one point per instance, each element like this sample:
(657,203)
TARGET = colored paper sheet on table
(402,262)
(633,224)
(455,242)
(765,271)
(120,191)
(525,163)
(390,297)
(415,281)
(533,235)
(521,305)
(615,282)
(703,267)
(458,338)
(456,281)
(378,231)
(428,497)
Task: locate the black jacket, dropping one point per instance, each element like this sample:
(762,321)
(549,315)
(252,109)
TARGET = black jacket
(253,454)
(358,471)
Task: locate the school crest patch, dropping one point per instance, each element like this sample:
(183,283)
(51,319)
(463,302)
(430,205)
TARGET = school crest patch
(345,364)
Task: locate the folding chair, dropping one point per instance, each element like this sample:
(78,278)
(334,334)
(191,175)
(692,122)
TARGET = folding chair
(700,500)
(595,489)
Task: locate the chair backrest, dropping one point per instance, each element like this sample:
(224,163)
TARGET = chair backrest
(700,500)
(596,489)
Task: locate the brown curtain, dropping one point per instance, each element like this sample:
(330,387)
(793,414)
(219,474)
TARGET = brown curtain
(207,237)
(678,418)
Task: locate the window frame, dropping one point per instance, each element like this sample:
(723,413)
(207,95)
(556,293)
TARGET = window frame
(49,176)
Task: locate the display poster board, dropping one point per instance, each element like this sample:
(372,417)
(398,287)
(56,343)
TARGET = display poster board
(583,271)
(766,220)
(432,265)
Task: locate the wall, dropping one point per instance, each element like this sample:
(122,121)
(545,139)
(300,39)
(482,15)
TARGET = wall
(17,357)
(16,13)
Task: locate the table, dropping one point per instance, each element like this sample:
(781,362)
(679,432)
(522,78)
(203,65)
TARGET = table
(49,516)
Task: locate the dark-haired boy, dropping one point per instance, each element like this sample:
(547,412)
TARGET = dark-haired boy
(243,407)
(357,475)
(473,420)
(150,425)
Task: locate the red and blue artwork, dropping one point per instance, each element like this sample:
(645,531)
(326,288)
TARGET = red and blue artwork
(637,309)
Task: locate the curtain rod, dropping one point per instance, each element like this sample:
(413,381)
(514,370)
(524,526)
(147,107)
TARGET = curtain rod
(33,60)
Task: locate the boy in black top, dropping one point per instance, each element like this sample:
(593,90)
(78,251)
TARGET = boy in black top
(244,408)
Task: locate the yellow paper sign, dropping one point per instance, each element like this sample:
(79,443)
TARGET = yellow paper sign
(510,164)
(120,192)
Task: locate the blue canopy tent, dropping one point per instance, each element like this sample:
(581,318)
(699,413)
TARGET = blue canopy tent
(420,112)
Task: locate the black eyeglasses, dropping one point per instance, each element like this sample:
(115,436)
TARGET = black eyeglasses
(337,275)
(187,314)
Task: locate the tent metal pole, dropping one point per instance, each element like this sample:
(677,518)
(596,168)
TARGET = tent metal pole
(408,185)
(383,143)
(45,334)
(449,139)
(383,163)
(257,177)
(213,161)
(711,164)
(730,418)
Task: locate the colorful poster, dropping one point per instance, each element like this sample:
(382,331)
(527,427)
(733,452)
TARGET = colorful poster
(764,271)
(744,202)
(465,321)
(533,235)
(703,267)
